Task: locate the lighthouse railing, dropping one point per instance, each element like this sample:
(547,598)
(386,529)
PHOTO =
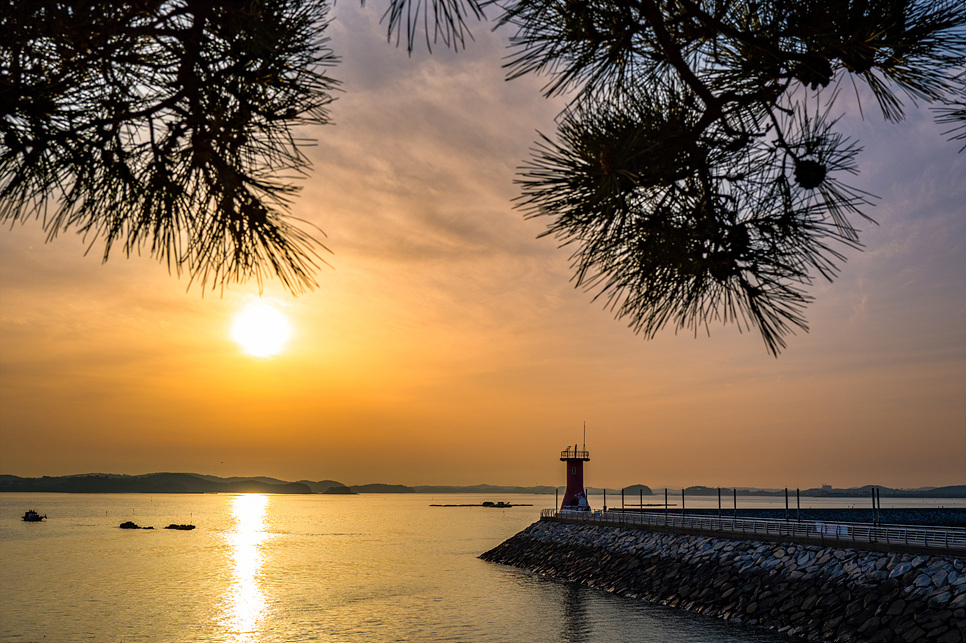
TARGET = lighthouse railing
(938,538)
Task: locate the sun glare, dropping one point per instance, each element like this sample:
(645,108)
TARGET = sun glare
(261,330)
(246,601)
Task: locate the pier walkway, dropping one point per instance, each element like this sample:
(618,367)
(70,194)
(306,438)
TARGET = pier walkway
(880,537)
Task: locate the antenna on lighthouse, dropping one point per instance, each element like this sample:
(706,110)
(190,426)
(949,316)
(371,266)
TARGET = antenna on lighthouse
(585,435)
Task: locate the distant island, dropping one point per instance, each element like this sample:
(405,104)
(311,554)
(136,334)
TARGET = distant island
(149,483)
(340,489)
(826,491)
(200,483)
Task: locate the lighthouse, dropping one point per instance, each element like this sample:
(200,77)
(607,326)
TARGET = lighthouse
(575,498)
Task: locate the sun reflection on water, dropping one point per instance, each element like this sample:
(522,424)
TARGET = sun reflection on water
(245,602)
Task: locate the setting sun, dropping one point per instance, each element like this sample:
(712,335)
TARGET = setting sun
(261,330)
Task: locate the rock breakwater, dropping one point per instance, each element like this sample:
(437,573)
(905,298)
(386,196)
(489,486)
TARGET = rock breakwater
(814,592)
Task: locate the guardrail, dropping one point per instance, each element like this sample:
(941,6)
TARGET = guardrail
(822,532)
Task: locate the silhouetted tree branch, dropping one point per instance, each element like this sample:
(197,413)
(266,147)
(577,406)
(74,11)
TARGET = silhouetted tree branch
(697,172)
(165,127)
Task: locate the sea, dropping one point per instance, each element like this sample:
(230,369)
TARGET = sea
(373,568)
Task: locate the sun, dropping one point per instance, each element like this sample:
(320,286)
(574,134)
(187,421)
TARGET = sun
(261,330)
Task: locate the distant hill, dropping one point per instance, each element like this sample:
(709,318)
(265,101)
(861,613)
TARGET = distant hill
(321,486)
(200,483)
(382,488)
(339,489)
(264,479)
(148,483)
(638,489)
(953,491)
(632,491)
(701,490)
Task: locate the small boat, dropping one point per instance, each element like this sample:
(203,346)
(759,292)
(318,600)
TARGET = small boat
(32,516)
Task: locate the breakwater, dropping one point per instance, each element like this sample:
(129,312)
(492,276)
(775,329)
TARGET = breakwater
(814,592)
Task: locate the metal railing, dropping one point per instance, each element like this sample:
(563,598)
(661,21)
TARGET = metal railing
(939,538)
(574,454)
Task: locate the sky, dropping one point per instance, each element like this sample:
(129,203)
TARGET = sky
(447,344)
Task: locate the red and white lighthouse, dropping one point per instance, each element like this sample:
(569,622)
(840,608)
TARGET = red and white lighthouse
(575,498)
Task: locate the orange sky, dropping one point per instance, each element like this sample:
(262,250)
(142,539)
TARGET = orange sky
(447,345)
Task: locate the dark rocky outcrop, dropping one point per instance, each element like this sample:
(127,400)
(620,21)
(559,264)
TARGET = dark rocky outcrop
(180,527)
(132,525)
(814,592)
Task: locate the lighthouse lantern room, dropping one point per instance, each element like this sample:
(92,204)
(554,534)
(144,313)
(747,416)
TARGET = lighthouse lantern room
(575,498)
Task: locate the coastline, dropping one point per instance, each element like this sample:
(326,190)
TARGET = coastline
(181,482)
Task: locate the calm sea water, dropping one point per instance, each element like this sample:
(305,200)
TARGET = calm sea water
(259,568)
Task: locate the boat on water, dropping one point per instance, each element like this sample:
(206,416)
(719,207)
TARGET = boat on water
(32,516)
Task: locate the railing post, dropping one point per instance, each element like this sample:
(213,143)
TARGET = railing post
(951,539)
(665,506)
